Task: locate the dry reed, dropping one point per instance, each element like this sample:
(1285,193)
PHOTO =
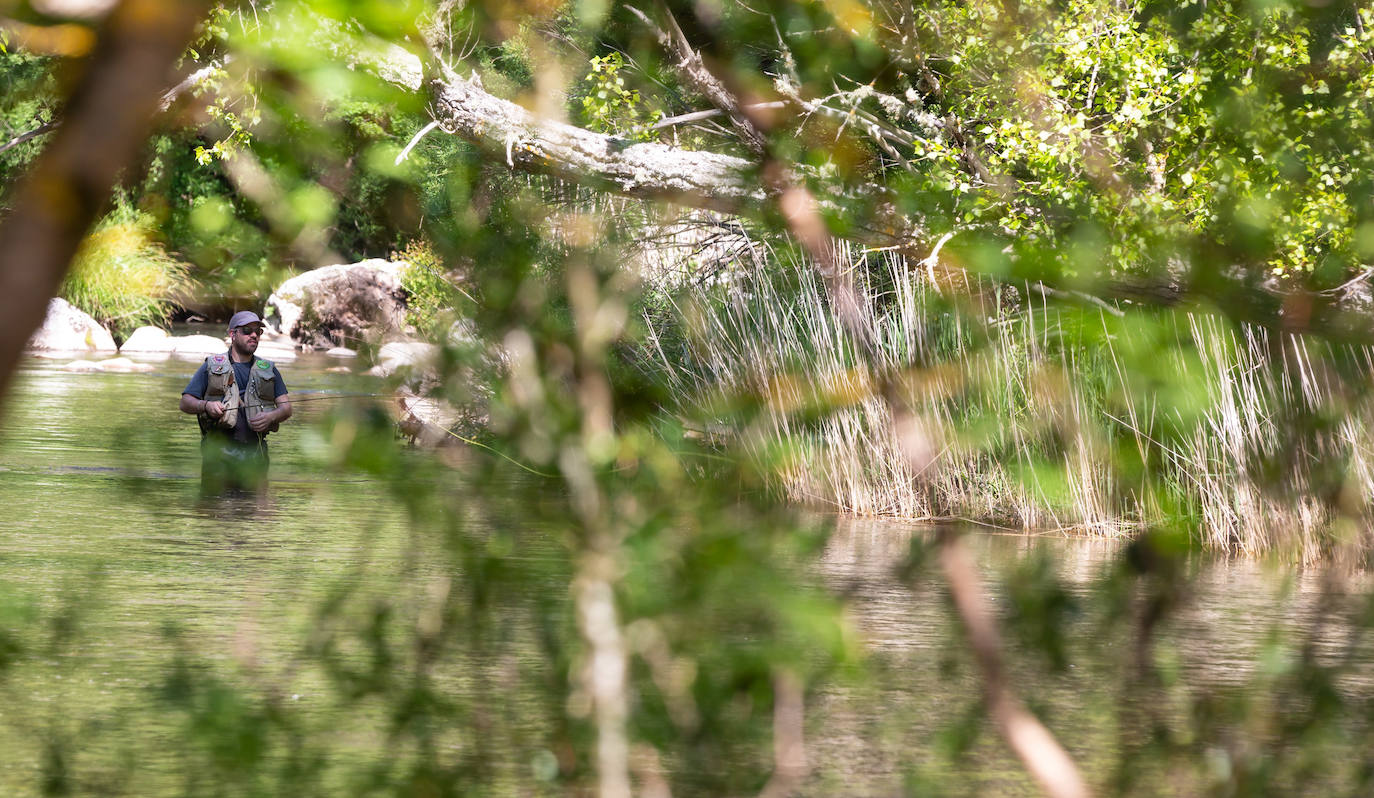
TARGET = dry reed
(1036,414)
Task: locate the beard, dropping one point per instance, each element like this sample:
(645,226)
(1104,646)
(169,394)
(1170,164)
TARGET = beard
(246,348)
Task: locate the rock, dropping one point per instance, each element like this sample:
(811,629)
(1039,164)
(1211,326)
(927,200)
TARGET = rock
(340,351)
(425,420)
(198,346)
(276,347)
(153,341)
(397,356)
(123,364)
(335,305)
(114,364)
(81,366)
(150,340)
(68,329)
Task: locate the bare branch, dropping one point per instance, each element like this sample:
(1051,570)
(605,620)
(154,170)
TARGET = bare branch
(789,745)
(1039,752)
(168,97)
(416,140)
(693,69)
(644,170)
(46,127)
(697,116)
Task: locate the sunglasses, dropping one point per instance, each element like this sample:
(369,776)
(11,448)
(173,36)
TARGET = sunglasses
(250,331)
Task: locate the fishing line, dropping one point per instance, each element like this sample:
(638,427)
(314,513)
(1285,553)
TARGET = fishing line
(318,397)
(469,441)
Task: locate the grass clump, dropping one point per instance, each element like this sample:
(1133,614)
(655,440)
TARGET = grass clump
(123,277)
(432,292)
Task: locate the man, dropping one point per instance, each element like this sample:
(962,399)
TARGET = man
(238,399)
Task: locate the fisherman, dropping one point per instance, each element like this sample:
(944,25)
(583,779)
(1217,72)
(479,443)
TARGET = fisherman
(238,398)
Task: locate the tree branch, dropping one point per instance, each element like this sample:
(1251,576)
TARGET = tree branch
(1033,744)
(642,170)
(46,127)
(693,69)
(104,126)
(170,96)
(712,181)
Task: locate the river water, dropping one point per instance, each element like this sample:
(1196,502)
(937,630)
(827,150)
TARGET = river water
(133,612)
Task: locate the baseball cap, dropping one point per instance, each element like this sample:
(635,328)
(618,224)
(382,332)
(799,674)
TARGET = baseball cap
(242,318)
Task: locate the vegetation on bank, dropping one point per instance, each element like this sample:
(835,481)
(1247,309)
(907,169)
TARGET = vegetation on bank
(124,277)
(1038,417)
(1095,264)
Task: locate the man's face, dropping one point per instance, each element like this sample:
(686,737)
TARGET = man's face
(245,338)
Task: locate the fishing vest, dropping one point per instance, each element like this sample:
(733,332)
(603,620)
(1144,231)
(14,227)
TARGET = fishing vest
(258,399)
(261,396)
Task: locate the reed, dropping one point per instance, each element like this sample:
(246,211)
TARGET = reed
(1038,417)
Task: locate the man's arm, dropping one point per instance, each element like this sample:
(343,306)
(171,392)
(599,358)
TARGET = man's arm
(194,405)
(191,401)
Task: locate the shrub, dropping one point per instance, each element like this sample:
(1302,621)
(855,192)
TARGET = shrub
(123,277)
(431,290)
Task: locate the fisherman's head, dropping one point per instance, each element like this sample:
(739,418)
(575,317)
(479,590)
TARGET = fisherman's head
(245,329)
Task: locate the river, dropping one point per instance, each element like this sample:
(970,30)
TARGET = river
(143,628)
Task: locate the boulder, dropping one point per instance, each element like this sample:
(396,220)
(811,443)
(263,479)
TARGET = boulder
(68,329)
(154,341)
(123,364)
(81,366)
(340,304)
(114,364)
(196,347)
(276,347)
(150,340)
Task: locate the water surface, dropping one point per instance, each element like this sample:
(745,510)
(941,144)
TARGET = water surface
(116,576)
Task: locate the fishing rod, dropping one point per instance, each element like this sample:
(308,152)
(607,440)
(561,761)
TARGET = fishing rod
(320,396)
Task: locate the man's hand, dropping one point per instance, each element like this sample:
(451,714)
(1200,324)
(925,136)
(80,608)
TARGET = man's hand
(214,409)
(263,422)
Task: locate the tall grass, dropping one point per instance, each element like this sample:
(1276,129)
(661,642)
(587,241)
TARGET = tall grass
(123,277)
(1036,417)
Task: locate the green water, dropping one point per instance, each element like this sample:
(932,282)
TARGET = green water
(144,628)
(115,572)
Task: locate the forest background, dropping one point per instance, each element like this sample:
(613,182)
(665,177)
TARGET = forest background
(1096,267)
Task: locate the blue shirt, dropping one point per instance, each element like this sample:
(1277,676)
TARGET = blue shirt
(242,433)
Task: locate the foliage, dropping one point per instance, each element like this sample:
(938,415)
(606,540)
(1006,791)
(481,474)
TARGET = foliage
(27,98)
(433,296)
(608,106)
(123,277)
(652,614)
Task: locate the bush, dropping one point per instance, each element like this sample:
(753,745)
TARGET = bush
(431,290)
(123,277)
